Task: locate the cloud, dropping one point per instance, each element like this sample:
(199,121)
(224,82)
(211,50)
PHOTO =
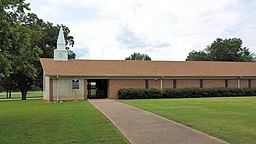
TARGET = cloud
(129,39)
(164,29)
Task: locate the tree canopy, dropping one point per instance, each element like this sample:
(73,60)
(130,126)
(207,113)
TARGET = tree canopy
(24,39)
(223,50)
(17,48)
(138,56)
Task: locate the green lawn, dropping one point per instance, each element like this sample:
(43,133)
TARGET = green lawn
(230,119)
(34,94)
(37,121)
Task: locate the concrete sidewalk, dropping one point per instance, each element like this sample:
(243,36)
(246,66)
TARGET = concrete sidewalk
(142,127)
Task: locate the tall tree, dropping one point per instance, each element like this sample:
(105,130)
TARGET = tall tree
(7,83)
(11,13)
(24,56)
(198,56)
(46,35)
(223,50)
(16,44)
(24,38)
(50,36)
(138,56)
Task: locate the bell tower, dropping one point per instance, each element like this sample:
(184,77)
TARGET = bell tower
(61,53)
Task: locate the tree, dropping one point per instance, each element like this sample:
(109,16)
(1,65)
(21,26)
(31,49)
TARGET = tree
(198,56)
(16,44)
(46,35)
(24,38)
(11,12)
(8,84)
(138,56)
(49,39)
(223,50)
(24,56)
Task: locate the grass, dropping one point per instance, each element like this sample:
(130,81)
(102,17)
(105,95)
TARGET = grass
(36,121)
(230,119)
(93,91)
(15,95)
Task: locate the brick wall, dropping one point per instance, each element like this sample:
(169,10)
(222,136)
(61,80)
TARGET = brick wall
(154,84)
(253,83)
(187,83)
(115,85)
(232,83)
(244,84)
(167,83)
(213,83)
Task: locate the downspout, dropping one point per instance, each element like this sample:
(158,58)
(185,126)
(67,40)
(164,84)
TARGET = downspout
(238,82)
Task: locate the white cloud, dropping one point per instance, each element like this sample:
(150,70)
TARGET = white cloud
(164,29)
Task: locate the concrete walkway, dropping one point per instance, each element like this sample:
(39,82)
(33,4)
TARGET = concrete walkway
(142,127)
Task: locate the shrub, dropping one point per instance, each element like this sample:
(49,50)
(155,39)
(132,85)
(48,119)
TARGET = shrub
(249,91)
(139,93)
(208,92)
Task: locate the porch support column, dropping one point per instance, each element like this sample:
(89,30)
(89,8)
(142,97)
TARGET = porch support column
(238,82)
(161,83)
(85,89)
(57,89)
(51,90)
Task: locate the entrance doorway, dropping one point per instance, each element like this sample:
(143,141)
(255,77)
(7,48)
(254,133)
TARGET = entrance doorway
(97,88)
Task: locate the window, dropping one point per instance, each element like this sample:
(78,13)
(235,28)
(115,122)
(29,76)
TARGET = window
(249,83)
(146,84)
(226,83)
(92,85)
(174,83)
(75,84)
(201,83)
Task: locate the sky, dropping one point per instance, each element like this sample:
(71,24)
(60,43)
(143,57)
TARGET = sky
(163,29)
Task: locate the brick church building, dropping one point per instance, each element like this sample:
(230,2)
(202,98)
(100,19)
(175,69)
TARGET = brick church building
(81,79)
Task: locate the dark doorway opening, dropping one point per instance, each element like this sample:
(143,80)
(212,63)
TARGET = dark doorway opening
(97,88)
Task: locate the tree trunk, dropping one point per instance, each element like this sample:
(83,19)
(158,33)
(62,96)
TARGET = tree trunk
(10,93)
(23,83)
(24,93)
(7,91)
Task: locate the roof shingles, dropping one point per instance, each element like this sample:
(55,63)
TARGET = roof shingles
(147,68)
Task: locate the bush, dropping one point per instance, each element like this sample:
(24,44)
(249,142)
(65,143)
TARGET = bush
(249,91)
(139,93)
(208,92)
(35,88)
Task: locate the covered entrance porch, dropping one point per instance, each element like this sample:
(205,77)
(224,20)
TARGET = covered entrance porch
(97,88)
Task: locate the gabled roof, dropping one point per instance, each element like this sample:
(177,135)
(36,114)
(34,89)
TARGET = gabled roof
(146,68)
